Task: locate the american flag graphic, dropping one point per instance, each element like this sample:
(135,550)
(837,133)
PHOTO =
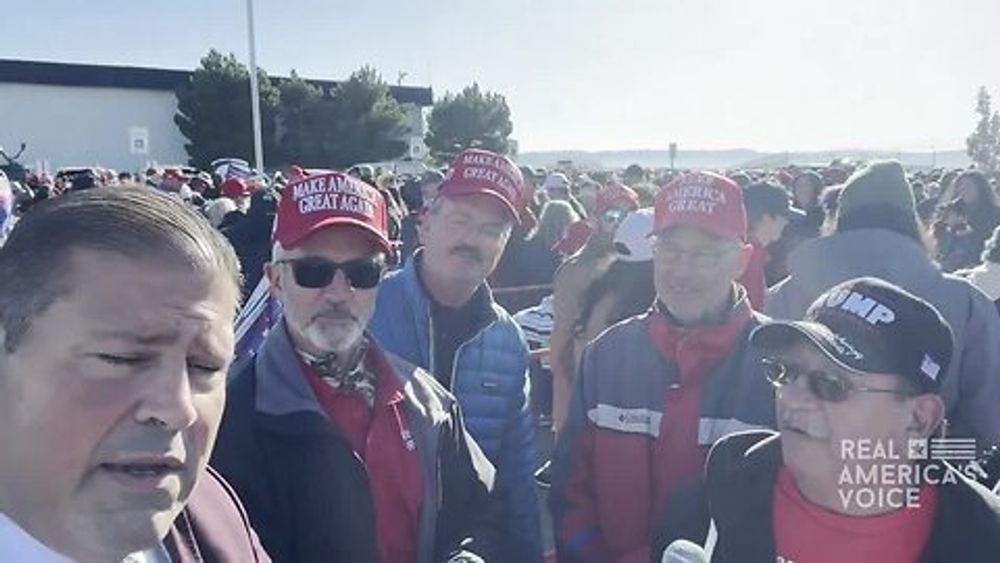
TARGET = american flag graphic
(954,449)
(259,314)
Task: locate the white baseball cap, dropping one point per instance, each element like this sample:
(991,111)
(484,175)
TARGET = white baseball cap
(632,236)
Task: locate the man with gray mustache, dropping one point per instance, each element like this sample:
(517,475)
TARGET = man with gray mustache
(438,312)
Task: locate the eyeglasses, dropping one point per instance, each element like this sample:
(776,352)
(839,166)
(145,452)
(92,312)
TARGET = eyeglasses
(700,258)
(313,272)
(822,385)
(468,227)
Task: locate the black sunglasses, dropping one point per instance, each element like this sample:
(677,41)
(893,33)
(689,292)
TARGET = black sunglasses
(313,272)
(822,385)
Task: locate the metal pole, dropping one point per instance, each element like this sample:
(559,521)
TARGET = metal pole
(258,141)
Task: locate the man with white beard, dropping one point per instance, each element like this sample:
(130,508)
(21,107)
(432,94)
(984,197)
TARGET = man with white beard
(343,451)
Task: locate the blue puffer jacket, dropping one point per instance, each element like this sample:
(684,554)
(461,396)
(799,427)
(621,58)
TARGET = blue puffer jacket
(491,384)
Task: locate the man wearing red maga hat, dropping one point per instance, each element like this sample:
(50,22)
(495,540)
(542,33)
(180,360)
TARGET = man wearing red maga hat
(342,450)
(438,312)
(654,392)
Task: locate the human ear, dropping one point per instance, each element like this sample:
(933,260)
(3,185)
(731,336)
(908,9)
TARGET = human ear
(274,282)
(926,415)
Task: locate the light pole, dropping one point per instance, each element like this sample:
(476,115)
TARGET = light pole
(258,141)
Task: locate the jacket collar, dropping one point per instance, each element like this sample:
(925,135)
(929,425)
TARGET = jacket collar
(281,388)
(412,287)
(741,491)
(705,344)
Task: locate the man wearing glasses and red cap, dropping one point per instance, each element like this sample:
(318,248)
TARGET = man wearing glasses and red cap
(343,451)
(438,312)
(654,392)
(854,473)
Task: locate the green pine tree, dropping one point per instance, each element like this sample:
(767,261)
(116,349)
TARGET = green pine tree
(983,145)
(469,119)
(214,111)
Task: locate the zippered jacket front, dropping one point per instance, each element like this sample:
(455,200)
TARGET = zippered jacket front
(490,380)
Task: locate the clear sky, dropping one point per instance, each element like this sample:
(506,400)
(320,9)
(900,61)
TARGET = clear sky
(593,74)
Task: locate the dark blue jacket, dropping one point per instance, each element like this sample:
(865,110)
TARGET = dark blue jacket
(490,381)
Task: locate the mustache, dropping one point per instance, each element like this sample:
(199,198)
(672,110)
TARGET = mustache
(470,251)
(803,423)
(335,312)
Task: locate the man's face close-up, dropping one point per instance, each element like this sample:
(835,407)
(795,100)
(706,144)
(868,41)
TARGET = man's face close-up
(323,314)
(694,270)
(814,430)
(110,404)
(465,237)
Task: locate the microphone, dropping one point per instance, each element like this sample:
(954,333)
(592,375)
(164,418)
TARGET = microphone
(684,551)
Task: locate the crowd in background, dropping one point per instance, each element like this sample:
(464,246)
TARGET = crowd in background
(579,261)
(958,213)
(958,208)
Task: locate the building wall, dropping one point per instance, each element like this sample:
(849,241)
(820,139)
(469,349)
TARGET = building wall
(416,130)
(83,126)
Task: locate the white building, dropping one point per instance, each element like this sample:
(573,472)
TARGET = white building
(117,117)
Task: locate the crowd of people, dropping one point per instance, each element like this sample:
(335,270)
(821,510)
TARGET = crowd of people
(317,365)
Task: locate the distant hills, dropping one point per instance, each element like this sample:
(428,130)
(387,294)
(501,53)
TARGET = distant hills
(736,158)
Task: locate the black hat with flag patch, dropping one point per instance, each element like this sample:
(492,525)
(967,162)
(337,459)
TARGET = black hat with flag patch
(867,325)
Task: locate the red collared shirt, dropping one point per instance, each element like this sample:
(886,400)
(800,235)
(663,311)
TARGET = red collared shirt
(382,440)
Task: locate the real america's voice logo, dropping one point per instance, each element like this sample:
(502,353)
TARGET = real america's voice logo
(882,474)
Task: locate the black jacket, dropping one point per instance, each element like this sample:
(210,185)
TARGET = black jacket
(250,236)
(742,472)
(306,490)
